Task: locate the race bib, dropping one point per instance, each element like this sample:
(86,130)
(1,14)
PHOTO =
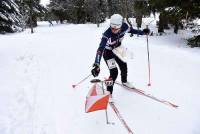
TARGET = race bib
(111,63)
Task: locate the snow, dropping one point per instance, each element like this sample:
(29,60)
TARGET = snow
(38,71)
(15,6)
(45,2)
(6,4)
(3,16)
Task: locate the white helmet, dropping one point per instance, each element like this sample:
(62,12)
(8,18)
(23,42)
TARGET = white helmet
(116,21)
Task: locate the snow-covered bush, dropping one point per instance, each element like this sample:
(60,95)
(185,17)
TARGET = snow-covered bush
(10,17)
(194,41)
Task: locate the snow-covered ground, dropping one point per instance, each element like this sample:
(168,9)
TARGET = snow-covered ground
(38,70)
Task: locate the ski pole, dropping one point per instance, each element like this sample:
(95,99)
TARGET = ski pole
(107,122)
(149,69)
(81,81)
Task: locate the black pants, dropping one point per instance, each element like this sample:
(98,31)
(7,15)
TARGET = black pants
(112,61)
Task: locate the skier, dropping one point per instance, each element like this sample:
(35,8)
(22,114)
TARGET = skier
(110,42)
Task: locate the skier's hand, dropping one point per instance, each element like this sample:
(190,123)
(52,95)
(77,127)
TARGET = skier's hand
(131,35)
(146,31)
(95,70)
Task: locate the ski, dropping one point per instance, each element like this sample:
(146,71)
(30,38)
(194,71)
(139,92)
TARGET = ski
(115,109)
(141,92)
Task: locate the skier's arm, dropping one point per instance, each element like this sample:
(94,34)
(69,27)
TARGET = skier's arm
(100,50)
(96,66)
(135,31)
(130,29)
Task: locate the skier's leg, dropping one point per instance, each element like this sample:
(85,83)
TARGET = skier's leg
(123,69)
(111,63)
(113,75)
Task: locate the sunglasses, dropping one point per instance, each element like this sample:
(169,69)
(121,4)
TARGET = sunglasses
(115,29)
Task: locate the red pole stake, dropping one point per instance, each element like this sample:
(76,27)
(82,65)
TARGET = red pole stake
(81,81)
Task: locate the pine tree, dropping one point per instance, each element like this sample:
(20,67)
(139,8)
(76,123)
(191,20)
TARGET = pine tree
(95,11)
(79,11)
(174,12)
(10,17)
(115,6)
(63,10)
(141,10)
(28,6)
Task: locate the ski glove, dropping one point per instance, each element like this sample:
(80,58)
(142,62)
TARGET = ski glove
(146,31)
(95,70)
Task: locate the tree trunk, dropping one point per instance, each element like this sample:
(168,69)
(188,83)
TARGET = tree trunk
(176,27)
(161,23)
(31,15)
(139,20)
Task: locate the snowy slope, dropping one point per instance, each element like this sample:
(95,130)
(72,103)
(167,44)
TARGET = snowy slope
(38,70)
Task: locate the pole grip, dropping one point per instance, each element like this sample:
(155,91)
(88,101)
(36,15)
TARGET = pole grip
(95,80)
